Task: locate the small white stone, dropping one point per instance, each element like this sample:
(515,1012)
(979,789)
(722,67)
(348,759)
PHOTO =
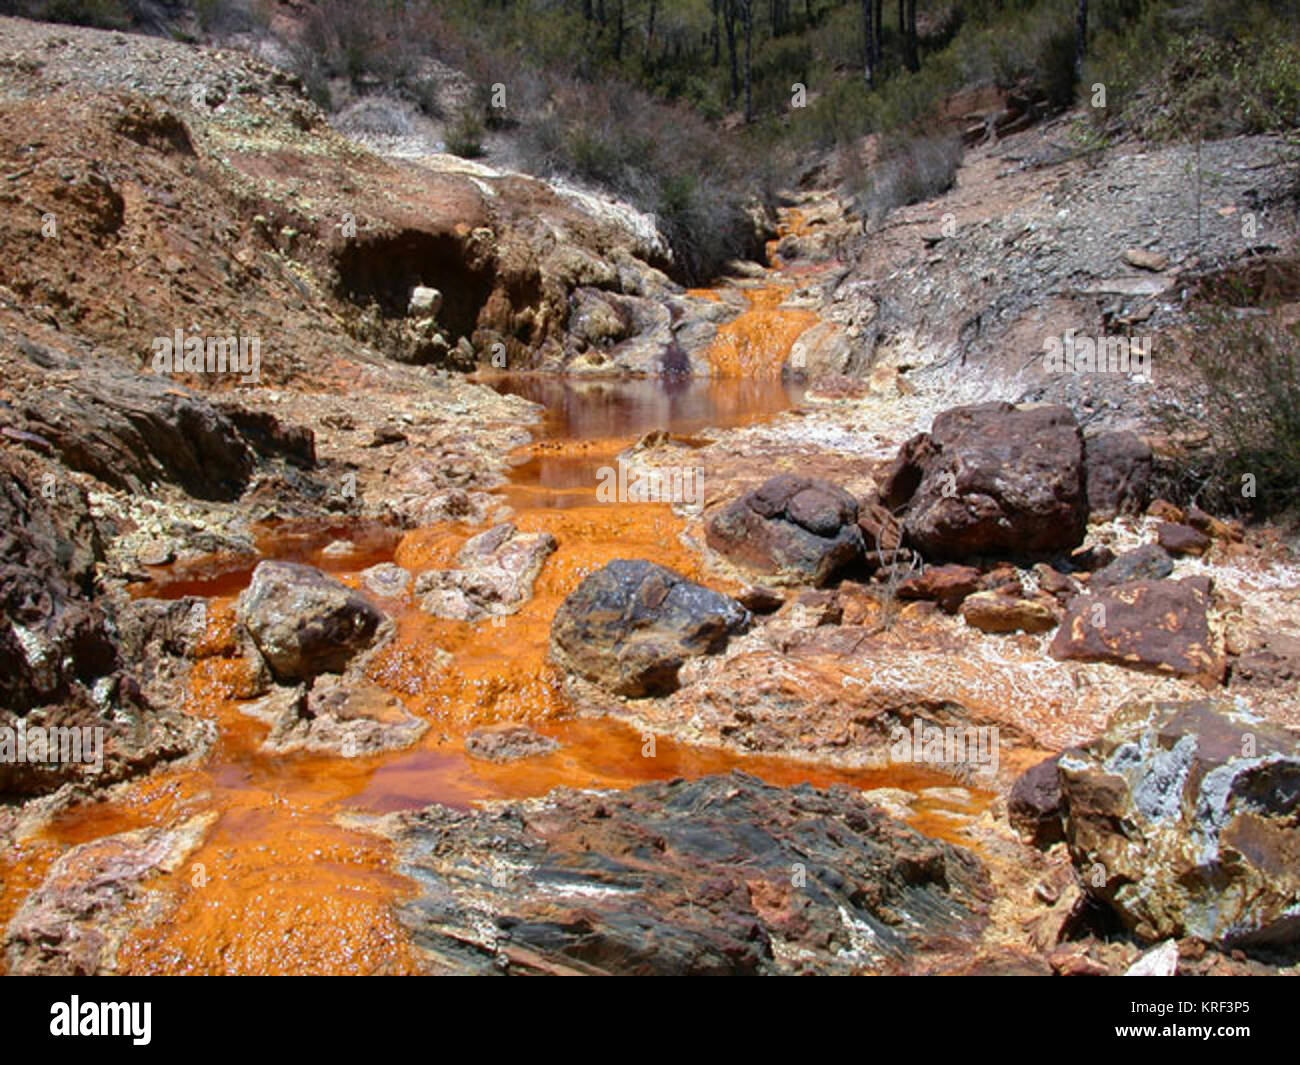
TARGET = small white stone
(1159,961)
(424,301)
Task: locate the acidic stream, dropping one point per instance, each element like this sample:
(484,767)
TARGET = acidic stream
(279,886)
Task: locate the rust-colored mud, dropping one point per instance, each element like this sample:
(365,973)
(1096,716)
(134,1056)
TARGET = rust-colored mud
(225,574)
(498,670)
(23,865)
(794,223)
(756,342)
(279,886)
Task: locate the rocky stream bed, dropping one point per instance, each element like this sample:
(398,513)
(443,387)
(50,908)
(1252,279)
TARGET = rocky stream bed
(886,667)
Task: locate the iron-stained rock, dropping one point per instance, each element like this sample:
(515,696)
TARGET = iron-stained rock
(791,528)
(1182,817)
(631,625)
(304,622)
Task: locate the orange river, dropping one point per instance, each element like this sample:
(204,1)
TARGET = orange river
(278,886)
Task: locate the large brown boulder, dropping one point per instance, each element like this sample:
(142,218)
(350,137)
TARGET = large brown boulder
(792,528)
(1182,818)
(631,625)
(1118,474)
(1158,625)
(304,622)
(903,476)
(992,479)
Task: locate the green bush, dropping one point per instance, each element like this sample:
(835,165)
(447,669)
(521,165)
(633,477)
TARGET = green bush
(464,136)
(664,160)
(231,16)
(1205,70)
(362,39)
(99,14)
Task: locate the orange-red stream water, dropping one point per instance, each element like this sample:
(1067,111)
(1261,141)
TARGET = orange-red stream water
(278,886)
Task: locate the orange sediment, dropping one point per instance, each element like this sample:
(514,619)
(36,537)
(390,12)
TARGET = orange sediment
(279,885)
(793,224)
(757,342)
(499,670)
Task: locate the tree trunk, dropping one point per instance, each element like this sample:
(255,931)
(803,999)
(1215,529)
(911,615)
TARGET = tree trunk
(878,40)
(911,56)
(729,21)
(717,32)
(1080,35)
(749,47)
(869,51)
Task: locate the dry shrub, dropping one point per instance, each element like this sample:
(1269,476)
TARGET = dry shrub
(1242,406)
(916,171)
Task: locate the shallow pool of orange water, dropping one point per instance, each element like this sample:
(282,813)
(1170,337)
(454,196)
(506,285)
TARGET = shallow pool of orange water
(279,886)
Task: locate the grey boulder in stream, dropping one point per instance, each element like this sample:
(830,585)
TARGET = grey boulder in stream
(631,625)
(720,876)
(305,622)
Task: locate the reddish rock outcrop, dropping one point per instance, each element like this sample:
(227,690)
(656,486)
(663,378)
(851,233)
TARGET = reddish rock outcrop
(723,875)
(1159,625)
(993,479)
(791,528)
